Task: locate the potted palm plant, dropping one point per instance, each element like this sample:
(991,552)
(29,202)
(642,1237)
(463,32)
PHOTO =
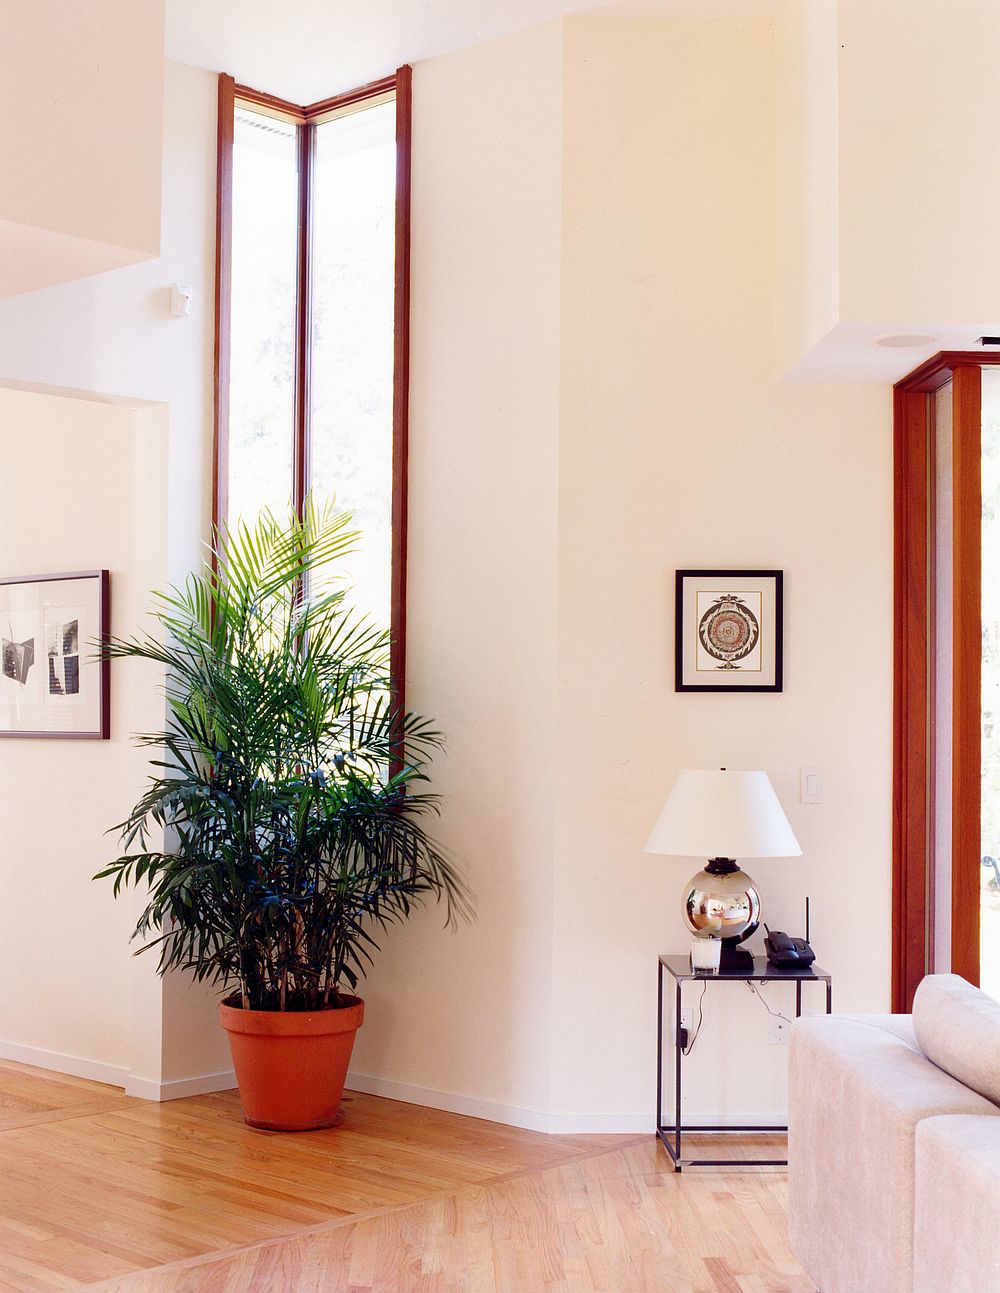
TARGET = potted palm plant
(290,825)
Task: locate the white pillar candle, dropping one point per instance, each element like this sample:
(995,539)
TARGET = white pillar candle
(705,953)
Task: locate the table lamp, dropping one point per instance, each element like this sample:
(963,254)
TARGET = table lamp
(723,816)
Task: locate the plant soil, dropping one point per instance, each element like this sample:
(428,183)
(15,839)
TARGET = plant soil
(295,1003)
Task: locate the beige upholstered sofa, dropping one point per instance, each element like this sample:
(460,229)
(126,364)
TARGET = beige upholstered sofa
(894,1145)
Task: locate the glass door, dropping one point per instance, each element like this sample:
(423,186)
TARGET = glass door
(989,879)
(941,682)
(946,744)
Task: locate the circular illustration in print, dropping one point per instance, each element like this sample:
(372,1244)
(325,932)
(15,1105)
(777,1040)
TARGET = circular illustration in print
(729,630)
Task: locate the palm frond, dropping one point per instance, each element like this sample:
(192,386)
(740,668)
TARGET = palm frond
(294,847)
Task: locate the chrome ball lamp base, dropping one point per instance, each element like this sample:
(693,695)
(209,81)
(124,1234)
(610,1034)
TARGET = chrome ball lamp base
(721,901)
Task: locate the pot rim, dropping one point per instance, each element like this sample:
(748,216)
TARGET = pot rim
(347,997)
(330,1019)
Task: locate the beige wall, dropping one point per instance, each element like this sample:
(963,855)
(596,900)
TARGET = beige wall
(469,1014)
(81,153)
(593,406)
(886,193)
(918,190)
(114,334)
(670,445)
(83,495)
(807,177)
(678,449)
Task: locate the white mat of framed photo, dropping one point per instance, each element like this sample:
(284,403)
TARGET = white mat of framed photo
(728,630)
(53,682)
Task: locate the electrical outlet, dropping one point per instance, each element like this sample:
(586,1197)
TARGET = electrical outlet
(777,1033)
(687,1019)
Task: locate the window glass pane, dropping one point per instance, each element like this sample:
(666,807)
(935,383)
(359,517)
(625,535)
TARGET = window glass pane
(990,846)
(353,311)
(941,734)
(265,196)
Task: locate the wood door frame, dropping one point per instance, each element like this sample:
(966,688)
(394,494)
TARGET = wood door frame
(223,301)
(401,395)
(913,673)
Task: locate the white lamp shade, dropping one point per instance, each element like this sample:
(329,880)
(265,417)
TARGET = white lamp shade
(723,814)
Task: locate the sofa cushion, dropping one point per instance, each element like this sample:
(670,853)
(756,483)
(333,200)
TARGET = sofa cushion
(957,1205)
(958,1028)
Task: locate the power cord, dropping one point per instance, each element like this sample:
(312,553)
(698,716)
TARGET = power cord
(686,1050)
(775,1014)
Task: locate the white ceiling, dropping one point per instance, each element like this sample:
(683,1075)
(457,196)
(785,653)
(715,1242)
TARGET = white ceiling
(305,50)
(850,352)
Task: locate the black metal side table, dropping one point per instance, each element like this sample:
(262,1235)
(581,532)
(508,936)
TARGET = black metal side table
(679,969)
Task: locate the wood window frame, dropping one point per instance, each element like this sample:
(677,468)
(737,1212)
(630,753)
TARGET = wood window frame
(306,118)
(914,663)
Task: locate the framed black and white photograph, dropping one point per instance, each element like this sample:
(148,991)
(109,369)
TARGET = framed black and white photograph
(53,682)
(728,628)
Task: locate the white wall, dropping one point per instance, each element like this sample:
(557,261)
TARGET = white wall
(678,449)
(77,500)
(81,99)
(469,1014)
(886,186)
(918,187)
(807,177)
(113,334)
(593,406)
(672,446)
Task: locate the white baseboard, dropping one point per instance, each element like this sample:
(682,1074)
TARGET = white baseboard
(566,1124)
(600,1124)
(731,1118)
(203,1084)
(71,1064)
(113,1075)
(553,1124)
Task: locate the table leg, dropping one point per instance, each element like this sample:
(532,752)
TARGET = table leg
(659,1046)
(798,998)
(679,1053)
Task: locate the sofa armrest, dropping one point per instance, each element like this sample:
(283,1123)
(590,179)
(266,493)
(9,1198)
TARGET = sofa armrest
(858,1087)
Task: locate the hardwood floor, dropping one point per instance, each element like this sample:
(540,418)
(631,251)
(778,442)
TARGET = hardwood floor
(103,1191)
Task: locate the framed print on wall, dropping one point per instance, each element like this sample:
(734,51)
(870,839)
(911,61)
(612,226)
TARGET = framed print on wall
(52,683)
(728,628)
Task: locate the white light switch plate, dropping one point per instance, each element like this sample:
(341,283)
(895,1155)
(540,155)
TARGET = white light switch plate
(811,786)
(181,295)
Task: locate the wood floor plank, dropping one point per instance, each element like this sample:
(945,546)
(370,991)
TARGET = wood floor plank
(29,1095)
(615,1222)
(126,1196)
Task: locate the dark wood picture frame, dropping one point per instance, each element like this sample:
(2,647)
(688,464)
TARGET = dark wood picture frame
(102,732)
(777,576)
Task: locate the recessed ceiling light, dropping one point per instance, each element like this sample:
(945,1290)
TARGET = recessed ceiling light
(904,339)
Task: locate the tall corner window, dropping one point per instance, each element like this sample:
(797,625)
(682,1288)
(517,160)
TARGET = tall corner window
(946,793)
(312,320)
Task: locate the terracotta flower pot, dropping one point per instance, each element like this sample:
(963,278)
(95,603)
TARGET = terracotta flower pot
(291,1065)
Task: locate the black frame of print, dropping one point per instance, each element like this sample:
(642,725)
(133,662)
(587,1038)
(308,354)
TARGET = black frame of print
(102,731)
(739,686)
